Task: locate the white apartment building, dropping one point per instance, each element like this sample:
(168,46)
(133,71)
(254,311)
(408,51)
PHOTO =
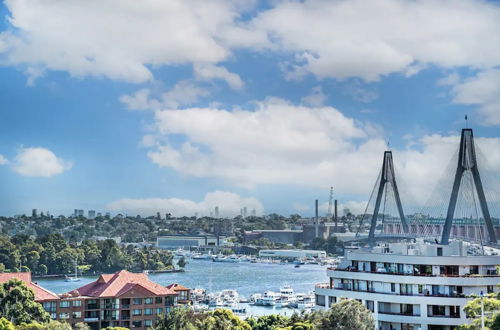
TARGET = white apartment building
(410,286)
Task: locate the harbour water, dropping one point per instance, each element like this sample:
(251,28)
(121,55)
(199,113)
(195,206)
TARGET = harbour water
(247,278)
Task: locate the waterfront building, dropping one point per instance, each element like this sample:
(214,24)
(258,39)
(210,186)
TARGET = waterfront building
(413,285)
(183,293)
(202,242)
(292,254)
(91,214)
(124,299)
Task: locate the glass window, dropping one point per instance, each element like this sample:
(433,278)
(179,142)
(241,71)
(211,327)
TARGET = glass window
(148,323)
(64,304)
(64,315)
(393,287)
(77,303)
(159,311)
(137,324)
(158,300)
(77,315)
(148,300)
(137,312)
(137,301)
(148,311)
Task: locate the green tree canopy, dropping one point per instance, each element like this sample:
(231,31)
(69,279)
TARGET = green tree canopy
(17,303)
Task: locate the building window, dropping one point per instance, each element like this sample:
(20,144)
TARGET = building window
(159,311)
(370,305)
(77,315)
(148,323)
(64,304)
(474,270)
(440,251)
(490,289)
(148,301)
(136,324)
(148,311)
(137,312)
(64,316)
(53,316)
(158,300)
(393,287)
(77,303)
(420,288)
(137,301)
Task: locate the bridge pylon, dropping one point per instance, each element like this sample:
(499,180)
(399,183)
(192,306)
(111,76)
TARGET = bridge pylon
(467,161)
(387,177)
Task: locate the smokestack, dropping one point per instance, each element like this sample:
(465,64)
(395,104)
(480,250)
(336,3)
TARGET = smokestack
(316,227)
(336,220)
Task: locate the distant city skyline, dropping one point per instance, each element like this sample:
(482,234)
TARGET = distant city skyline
(264,106)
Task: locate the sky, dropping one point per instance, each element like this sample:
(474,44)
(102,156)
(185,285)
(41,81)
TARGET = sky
(179,106)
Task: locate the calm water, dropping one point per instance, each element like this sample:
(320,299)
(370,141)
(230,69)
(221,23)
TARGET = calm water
(247,278)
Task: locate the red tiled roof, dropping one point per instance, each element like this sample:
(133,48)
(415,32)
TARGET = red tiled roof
(117,284)
(41,294)
(177,287)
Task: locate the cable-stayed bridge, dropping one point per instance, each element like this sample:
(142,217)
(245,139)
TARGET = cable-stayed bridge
(463,205)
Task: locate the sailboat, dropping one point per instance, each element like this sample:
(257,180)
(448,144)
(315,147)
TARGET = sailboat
(73,278)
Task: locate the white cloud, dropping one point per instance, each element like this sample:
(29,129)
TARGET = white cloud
(184,92)
(210,71)
(229,205)
(482,90)
(316,98)
(282,143)
(39,162)
(122,39)
(3,160)
(373,38)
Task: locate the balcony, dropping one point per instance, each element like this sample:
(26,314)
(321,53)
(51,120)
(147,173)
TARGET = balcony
(348,287)
(386,272)
(399,313)
(92,306)
(125,306)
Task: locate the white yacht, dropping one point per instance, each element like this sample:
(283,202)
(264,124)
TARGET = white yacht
(414,285)
(269,298)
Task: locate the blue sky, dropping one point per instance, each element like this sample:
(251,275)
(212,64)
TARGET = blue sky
(181,106)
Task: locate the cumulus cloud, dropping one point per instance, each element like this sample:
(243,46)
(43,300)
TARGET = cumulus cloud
(483,91)
(210,72)
(39,162)
(3,160)
(283,143)
(121,40)
(373,38)
(229,205)
(184,92)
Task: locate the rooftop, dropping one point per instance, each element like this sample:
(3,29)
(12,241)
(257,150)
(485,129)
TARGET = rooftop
(41,294)
(120,283)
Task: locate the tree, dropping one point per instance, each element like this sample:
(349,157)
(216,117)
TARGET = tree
(52,325)
(268,322)
(17,303)
(223,319)
(348,314)
(177,319)
(6,324)
(472,309)
(182,262)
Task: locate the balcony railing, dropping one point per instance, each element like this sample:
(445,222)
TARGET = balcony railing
(349,288)
(451,316)
(355,270)
(91,319)
(399,313)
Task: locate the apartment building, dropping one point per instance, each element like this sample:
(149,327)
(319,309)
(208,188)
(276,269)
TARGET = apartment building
(123,299)
(413,286)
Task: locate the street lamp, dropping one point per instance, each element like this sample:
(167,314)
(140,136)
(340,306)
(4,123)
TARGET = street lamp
(482,310)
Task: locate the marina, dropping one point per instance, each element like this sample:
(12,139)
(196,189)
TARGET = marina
(214,277)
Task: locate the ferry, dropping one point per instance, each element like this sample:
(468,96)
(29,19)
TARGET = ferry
(269,298)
